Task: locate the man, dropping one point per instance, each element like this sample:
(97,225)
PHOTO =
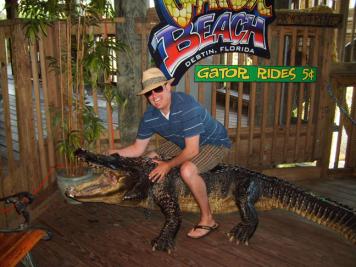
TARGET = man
(195,141)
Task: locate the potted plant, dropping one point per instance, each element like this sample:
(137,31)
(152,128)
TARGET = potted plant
(83,65)
(72,172)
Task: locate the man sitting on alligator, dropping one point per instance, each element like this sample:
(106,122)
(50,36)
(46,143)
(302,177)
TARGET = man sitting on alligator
(196,142)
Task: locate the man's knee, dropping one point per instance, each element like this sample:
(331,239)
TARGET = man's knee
(188,169)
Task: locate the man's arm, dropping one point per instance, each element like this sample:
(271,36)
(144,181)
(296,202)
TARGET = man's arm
(190,151)
(134,150)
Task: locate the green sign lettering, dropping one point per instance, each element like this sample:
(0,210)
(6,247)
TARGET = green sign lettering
(223,73)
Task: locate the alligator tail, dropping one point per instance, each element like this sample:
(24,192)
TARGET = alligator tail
(284,195)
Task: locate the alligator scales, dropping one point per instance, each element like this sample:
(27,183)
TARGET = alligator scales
(230,188)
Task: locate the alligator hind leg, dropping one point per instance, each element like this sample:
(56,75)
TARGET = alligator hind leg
(169,206)
(247,193)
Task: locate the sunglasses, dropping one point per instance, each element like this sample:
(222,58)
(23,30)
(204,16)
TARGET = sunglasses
(157,90)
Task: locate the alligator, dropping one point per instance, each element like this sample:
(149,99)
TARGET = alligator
(124,181)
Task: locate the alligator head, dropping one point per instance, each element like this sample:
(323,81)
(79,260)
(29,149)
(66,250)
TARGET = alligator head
(108,187)
(121,179)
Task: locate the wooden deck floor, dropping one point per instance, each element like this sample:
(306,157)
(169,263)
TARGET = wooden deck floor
(106,235)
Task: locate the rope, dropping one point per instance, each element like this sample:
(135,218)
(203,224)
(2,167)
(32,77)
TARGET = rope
(343,110)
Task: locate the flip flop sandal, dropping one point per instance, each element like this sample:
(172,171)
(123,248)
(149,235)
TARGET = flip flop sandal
(204,227)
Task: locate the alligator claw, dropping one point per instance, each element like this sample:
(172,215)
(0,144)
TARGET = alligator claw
(162,244)
(242,233)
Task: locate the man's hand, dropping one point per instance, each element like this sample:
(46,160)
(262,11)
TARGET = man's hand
(159,173)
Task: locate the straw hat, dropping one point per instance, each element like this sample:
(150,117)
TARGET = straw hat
(153,78)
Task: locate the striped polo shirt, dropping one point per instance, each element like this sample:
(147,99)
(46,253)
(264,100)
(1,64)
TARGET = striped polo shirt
(187,118)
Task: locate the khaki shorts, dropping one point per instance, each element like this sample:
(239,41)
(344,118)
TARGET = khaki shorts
(209,156)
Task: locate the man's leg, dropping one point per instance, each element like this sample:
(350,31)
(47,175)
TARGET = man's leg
(208,157)
(196,184)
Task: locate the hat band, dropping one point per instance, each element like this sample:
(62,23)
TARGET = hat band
(153,81)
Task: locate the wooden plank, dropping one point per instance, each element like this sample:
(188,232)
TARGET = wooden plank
(227,95)
(277,105)
(239,114)
(326,119)
(340,95)
(6,104)
(23,89)
(50,145)
(201,89)
(216,60)
(266,90)
(52,49)
(252,112)
(350,160)
(309,143)
(36,88)
(289,94)
(300,98)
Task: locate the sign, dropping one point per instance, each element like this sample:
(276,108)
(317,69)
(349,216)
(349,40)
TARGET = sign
(191,30)
(222,73)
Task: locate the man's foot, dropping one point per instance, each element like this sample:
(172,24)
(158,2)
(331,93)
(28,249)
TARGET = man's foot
(200,230)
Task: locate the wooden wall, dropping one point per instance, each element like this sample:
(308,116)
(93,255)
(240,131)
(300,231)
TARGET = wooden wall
(29,156)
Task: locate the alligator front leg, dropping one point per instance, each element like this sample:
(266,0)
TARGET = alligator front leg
(169,206)
(247,193)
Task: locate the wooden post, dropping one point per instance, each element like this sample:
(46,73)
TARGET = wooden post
(300,99)
(251,114)
(213,89)
(289,97)
(326,110)
(36,89)
(50,145)
(6,103)
(239,115)
(227,95)
(277,107)
(201,89)
(351,144)
(310,133)
(341,95)
(24,108)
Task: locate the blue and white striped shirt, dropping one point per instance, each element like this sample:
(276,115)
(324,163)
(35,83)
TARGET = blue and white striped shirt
(187,118)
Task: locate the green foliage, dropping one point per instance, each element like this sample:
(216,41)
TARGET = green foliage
(89,62)
(93,126)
